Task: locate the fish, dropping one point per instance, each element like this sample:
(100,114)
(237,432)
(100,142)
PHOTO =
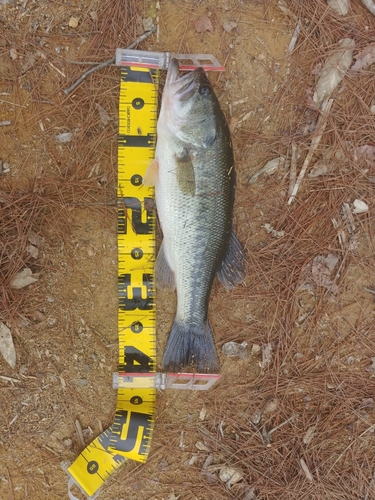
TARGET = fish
(194,179)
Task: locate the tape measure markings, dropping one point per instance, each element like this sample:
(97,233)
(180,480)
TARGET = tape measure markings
(129,437)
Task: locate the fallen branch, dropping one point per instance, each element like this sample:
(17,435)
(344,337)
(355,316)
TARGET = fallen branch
(109,62)
(321,125)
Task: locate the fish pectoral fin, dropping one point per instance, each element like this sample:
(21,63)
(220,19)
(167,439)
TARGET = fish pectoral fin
(185,172)
(233,268)
(164,276)
(152,173)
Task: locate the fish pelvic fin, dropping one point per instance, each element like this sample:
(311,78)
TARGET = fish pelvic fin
(164,276)
(233,268)
(152,174)
(190,346)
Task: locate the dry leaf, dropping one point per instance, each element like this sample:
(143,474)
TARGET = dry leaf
(364,58)
(230,475)
(270,406)
(334,70)
(104,116)
(24,278)
(201,446)
(202,414)
(339,6)
(7,346)
(367,151)
(229,26)
(359,207)
(64,137)
(266,355)
(322,168)
(32,251)
(233,123)
(269,168)
(309,434)
(370,5)
(203,24)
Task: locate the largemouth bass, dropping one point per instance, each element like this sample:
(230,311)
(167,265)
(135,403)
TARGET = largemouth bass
(194,180)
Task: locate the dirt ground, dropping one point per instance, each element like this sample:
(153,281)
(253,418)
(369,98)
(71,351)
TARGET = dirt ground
(294,418)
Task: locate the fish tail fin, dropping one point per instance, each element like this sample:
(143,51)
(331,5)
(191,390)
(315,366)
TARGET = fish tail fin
(190,346)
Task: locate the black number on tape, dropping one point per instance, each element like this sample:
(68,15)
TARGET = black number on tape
(136,421)
(136,361)
(136,327)
(136,400)
(136,253)
(92,467)
(135,206)
(142,295)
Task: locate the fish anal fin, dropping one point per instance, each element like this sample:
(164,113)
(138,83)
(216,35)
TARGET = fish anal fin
(152,173)
(233,267)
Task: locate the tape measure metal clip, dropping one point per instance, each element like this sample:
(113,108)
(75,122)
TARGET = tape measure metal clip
(162,381)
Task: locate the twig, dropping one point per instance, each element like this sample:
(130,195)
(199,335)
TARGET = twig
(109,62)
(293,169)
(294,38)
(306,470)
(10,484)
(321,125)
(79,432)
(370,486)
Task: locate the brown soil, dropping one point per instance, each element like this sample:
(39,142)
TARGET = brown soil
(298,427)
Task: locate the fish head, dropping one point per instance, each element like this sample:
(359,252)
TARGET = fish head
(190,109)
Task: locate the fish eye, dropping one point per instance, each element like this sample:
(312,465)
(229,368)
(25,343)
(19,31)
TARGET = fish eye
(204,90)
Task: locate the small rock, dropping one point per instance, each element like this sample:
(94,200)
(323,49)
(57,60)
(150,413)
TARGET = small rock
(13,54)
(202,414)
(5,167)
(6,345)
(235,349)
(64,137)
(90,251)
(148,23)
(255,349)
(73,22)
(94,16)
(81,381)
(67,443)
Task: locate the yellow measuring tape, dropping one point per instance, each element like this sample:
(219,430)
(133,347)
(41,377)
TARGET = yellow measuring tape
(129,437)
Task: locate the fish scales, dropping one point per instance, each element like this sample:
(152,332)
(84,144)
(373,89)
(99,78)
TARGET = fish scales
(194,180)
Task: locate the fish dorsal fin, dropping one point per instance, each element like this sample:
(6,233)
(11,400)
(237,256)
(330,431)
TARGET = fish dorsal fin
(152,173)
(185,172)
(233,268)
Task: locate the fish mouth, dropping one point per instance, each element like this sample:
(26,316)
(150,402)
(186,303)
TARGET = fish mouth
(185,86)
